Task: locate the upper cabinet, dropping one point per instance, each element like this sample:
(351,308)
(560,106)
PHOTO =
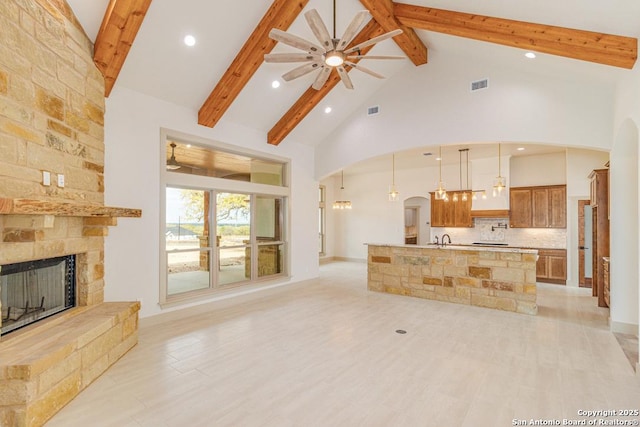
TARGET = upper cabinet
(520,207)
(450,213)
(538,207)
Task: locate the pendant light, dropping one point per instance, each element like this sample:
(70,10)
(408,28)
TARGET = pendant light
(441,193)
(393,193)
(500,182)
(465,197)
(341,204)
(455,194)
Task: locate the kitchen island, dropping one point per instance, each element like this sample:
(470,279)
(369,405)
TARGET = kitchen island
(501,278)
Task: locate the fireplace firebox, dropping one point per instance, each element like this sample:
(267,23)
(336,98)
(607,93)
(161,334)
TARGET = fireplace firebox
(33,290)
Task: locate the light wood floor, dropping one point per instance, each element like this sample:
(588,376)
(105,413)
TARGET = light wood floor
(325,353)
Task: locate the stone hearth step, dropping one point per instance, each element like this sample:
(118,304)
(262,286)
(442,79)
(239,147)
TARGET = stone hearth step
(44,366)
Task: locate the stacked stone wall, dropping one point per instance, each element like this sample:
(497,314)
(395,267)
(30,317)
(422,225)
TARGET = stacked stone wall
(503,280)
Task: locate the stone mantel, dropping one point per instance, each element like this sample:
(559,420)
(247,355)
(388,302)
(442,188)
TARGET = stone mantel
(63,208)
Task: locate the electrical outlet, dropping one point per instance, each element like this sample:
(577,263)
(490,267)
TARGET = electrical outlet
(46,178)
(60,180)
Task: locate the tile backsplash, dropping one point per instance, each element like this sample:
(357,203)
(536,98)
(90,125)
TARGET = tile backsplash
(492,230)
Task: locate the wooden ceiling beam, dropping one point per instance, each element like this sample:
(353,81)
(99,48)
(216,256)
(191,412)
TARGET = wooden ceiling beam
(312,97)
(120,24)
(280,15)
(408,41)
(607,49)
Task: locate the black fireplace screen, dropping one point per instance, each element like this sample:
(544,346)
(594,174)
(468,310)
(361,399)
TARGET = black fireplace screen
(33,290)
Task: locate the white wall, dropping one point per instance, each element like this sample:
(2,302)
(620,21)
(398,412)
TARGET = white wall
(623,176)
(430,106)
(374,219)
(132,179)
(627,108)
(539,169)
(484,173)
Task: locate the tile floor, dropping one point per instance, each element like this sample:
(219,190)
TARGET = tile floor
(325,353)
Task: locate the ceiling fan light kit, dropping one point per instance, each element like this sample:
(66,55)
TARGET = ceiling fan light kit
(331,53)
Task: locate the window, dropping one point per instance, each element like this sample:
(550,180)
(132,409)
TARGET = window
(225,219)
(321,219)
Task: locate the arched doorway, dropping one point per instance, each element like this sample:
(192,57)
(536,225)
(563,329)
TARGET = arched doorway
(417,220)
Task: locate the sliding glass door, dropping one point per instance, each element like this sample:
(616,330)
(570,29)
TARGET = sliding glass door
(245,224)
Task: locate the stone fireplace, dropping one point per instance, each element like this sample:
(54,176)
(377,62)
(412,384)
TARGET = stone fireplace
(34,290)
(52,124)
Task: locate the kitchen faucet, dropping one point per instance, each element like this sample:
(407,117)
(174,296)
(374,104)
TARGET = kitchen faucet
(448,238)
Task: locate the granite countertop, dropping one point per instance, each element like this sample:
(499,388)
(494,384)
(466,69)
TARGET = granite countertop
(462,247)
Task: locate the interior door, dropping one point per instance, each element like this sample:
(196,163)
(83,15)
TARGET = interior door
(584,243)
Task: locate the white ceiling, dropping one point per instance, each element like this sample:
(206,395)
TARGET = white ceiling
(160,65)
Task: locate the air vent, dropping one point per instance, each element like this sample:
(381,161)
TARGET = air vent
(479,84)
(372,111)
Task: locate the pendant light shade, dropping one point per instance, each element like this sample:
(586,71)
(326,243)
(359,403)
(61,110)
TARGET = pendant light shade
(500,182)
(393,193)
(341,204)
(441,193)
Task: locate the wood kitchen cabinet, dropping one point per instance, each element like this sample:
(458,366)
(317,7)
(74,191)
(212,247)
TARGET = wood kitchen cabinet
(551,266)
(520,208)
(451,214)
(600,230)
(538,207)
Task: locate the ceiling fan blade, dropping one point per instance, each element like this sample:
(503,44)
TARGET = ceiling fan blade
(323,75)
(295,41)
(364,69)
(373,41)
(344,76)
(353,28)
(375,57)
(291,57)
(301,71)
(319,29)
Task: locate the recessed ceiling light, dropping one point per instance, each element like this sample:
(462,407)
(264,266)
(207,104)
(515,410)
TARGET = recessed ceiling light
(189,40)
(438,159)
(327,110)
(520,148)
(275,84)
(530,55)
(188,145)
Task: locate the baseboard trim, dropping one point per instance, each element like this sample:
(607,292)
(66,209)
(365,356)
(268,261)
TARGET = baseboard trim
(330,259)
(341,258)
(623,328)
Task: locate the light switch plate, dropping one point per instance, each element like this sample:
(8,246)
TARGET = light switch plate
(46,178)
(60,180)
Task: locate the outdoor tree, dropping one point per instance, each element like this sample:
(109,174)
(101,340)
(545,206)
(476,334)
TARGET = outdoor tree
(232,206)
(228,206)
(193,204)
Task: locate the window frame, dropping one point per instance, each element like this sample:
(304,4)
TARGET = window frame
(214,186)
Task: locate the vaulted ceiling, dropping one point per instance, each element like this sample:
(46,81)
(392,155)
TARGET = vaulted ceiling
(138,44)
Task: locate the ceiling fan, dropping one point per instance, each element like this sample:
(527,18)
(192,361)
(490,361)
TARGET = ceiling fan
(173,164)
(332,51)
